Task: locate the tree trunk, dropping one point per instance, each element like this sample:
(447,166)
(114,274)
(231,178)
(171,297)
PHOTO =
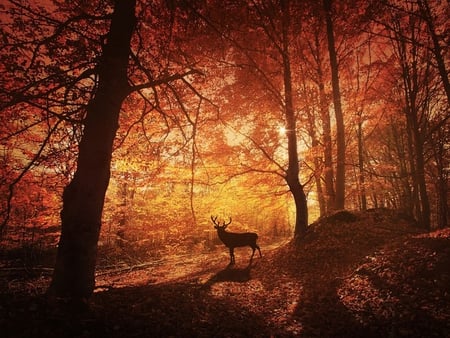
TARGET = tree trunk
(327,151)
(317,162)
(420,174)
(362,188)
(328,172)
(83,198)
(318,180)
(340,131)
(292,179)
(400,150)
(415,203)
(441,185)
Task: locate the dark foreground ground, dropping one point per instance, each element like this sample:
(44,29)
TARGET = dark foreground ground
(353,275)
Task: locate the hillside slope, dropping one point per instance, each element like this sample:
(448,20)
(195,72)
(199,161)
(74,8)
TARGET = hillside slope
(369,274)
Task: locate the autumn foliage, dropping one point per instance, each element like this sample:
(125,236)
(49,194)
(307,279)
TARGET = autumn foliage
(125,124)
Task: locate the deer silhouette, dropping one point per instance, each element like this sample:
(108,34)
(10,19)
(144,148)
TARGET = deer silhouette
(233,240)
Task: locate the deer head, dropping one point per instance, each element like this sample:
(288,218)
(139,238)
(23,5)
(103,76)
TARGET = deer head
(217,224)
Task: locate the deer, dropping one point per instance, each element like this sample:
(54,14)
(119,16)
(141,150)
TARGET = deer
(233,240)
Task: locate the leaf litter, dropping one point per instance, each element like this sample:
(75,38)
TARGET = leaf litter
(353,274)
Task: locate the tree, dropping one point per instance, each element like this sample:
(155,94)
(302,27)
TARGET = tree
(79,89)
(312,63)
(292,172)
(263,64)
(408,53)
(83,198)
(340,128)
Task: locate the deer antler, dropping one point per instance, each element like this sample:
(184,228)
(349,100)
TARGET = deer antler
(226,224)
(214,220)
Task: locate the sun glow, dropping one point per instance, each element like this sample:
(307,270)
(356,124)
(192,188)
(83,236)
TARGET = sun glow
(282,130)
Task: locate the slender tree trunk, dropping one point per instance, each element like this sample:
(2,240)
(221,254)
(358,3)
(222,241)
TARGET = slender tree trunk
(292,179)
(404,189)
(415,203)
(327,150)
(441,183)
(192,185)
(340,131)
(83,198)
(317,162)
(318,180)
(362,188)
(326,138)
(421,181)
(320,194)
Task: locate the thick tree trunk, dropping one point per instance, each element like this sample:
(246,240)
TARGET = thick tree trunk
(301,216)
(340,130)
(83,199)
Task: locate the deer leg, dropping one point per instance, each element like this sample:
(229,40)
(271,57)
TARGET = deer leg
(231,256)
(253,253)
(257,247)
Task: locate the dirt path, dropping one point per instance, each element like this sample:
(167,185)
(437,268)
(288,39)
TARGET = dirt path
(170,268)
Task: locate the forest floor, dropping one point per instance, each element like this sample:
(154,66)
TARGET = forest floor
(352,275)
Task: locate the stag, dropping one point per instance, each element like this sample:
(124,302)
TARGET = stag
(233,240)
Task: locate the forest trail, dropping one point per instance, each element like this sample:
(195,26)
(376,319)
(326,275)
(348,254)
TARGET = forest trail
(178,267)
(353,274)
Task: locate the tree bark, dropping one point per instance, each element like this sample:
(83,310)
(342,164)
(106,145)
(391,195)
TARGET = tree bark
(400,150)
(420,176)
(442,179)
(318,176)
(327,151)
(327,143)
(83,198)
(292,179)
(362,188)
(317,160)
(340,130)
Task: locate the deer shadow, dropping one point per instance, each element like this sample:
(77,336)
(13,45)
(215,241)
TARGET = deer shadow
(230,274)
